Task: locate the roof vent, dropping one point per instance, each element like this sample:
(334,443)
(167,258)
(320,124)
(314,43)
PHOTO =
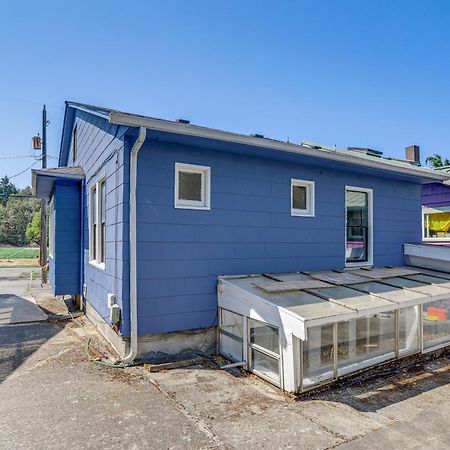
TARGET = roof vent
(366,151)
(257,135)
(184,121)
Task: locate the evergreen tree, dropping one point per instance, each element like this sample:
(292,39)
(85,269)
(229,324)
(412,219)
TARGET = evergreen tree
(6,189)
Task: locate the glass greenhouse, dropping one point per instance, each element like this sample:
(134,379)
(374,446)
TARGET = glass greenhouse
(302,330)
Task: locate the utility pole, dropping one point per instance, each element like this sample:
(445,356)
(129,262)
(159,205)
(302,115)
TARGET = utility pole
(43,202)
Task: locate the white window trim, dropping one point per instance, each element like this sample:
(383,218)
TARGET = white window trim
(267,352)
(92,258)
(429,210)
(369,261)
(310,198)
(51,228)
(205,202)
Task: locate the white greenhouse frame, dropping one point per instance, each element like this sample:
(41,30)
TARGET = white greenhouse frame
(245,295)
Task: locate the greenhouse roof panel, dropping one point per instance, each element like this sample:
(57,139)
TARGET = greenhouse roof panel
(341,298)
(403,297)
(361,302)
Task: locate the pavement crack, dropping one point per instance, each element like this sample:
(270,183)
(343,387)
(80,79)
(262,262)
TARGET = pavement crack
(199,423)
(41,363)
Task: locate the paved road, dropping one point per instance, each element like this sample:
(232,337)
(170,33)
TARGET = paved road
(53,397)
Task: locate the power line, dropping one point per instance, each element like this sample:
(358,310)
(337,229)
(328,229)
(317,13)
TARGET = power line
(28,168)
(24,156)
(18,100)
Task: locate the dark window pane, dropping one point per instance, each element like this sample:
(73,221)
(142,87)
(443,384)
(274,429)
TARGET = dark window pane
(103,242)
(357,208)
(264,335)
(190,186)
(299,197)
(357,205)
(103,200)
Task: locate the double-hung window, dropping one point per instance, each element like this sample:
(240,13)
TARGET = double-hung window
(302,198)
(359,226)
(97,223)
(192,186)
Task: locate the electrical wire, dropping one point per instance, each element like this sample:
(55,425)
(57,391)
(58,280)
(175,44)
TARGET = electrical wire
(23,171)
(18,100)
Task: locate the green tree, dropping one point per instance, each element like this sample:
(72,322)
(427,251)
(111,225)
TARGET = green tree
(6,189)
(435,161)
(15,216)
(33,232)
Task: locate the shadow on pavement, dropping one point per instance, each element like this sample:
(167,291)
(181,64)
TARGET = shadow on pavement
(18,342)
(15,309)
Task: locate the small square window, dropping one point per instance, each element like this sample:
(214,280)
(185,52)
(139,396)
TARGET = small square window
(302,198)
(192,186)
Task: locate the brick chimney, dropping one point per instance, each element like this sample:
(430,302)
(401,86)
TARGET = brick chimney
(412,153)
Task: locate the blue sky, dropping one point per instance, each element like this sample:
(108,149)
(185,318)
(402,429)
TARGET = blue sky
(351,73)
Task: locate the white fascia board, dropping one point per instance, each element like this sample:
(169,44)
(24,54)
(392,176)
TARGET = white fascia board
(427,251)
(120,118)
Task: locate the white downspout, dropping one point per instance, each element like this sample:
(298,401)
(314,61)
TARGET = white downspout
(133,246)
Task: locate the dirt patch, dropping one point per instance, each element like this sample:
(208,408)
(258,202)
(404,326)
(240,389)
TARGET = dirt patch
(18,263)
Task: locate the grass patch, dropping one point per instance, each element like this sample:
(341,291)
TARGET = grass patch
(19,253)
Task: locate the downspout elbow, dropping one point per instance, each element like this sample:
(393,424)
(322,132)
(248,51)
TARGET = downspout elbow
(133,246)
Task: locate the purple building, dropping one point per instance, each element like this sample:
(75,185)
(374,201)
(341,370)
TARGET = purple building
(436,211)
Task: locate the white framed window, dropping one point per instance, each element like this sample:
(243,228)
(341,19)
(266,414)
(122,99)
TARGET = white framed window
(264,351)
(436,224)
(192,186)
(51,228)
(358,226)
(97,223)
(302,198)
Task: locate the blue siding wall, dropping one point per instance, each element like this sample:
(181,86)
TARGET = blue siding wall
(249,228)
(100,152)
(65,262)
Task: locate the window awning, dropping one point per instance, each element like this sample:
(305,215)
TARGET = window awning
(42,180)
(295,301)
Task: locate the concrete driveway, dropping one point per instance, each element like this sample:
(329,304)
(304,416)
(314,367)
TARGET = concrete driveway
(53,397)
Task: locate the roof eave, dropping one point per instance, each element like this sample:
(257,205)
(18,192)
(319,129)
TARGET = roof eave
(120,118)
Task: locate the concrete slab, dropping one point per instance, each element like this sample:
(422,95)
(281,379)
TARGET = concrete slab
(55,398)
(242,411)
(15,309)
(429,430)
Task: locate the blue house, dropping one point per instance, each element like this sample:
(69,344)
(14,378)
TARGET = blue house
(146,213)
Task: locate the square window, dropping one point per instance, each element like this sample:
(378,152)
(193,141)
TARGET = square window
(302,198)
(192,186)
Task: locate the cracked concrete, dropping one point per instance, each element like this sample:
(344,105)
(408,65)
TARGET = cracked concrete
(53,397)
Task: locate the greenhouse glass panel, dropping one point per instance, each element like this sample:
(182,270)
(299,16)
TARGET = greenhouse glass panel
(318,355)
(265,365)
(264,336)
(365,341)
(409,326)
(436,323)
(232,323)
(231,335)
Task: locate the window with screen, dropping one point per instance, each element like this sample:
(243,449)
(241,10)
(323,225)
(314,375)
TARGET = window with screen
(192,186)
(302,198)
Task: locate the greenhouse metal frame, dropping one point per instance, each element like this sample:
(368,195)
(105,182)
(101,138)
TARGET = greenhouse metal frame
(303,330)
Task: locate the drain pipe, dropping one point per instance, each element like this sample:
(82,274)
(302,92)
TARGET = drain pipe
(133,246)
